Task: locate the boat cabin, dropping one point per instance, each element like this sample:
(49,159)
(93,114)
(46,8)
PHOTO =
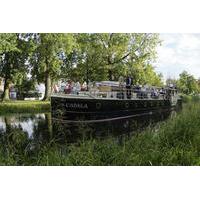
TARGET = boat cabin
(115,90)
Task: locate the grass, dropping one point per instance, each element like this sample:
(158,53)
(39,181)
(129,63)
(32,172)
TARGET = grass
(24,107)
(190,98)
(173,142)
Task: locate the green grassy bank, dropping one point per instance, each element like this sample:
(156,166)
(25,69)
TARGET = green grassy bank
(190,98)
(173,142)
(24,107)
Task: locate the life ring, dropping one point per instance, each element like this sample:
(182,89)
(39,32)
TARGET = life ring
(98,105)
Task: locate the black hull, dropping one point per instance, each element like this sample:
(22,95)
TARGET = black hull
(95,109)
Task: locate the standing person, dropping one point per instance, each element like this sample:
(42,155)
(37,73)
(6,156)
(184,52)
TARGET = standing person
(128,87)
(78,87)
(73,87)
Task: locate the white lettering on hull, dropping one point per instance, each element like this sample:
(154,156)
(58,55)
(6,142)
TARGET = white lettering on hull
(77,105)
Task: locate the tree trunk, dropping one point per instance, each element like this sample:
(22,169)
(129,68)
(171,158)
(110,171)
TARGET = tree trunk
(87,78)
(110,75)
(6,90)
(47,87)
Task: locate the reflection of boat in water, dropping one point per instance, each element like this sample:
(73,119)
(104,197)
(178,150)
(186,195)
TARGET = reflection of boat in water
(70,131)
(36,130)
(112,102)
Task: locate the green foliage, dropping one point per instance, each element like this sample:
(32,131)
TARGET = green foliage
(14,53)
(190,98)
(187,84)
(186,98)
(86,56)
(146,75)
(25,84)
(8,42)
(111,55)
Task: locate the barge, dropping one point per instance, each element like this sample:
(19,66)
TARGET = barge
(108,104)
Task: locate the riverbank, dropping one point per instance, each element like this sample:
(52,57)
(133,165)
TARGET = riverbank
(24,107)
(175,141)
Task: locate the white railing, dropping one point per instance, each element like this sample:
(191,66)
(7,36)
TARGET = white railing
(126,94)
(123,94)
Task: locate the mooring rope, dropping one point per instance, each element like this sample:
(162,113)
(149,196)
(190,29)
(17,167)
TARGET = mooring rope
(104,120)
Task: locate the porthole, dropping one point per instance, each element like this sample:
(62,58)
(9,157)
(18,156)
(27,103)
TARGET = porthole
(136,105)
(126,105)
(98,105)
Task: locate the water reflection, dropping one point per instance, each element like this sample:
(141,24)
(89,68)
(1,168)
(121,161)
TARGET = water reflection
(71,132)
(23,122)
(41,129)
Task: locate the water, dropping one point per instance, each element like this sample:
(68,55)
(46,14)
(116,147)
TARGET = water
(39,129)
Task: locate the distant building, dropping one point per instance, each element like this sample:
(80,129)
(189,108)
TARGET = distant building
(13,93)
(41,89)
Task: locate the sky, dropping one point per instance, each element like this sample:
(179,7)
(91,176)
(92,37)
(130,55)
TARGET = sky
(178,52)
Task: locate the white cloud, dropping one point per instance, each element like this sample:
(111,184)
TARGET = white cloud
(179,52)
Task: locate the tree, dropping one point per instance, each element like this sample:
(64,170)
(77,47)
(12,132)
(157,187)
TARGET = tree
(85,60)
(14,52)
(187,83)
(89,56)
(110,55)
(150,76)
(26,86)
(171,81)
(47,59)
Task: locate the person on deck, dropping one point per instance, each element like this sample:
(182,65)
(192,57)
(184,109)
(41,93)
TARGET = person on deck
(128,87)
(68,88)
(84,86)
(78,87)
(120,93)
(121,82)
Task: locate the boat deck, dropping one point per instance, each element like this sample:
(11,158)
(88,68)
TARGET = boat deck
(109,96)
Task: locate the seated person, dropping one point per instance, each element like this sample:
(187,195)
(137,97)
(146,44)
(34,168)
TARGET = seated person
(68,88)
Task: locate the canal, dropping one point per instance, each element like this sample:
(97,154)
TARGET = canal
(42,129)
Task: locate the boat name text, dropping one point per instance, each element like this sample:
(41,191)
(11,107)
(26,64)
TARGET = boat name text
(77,105)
